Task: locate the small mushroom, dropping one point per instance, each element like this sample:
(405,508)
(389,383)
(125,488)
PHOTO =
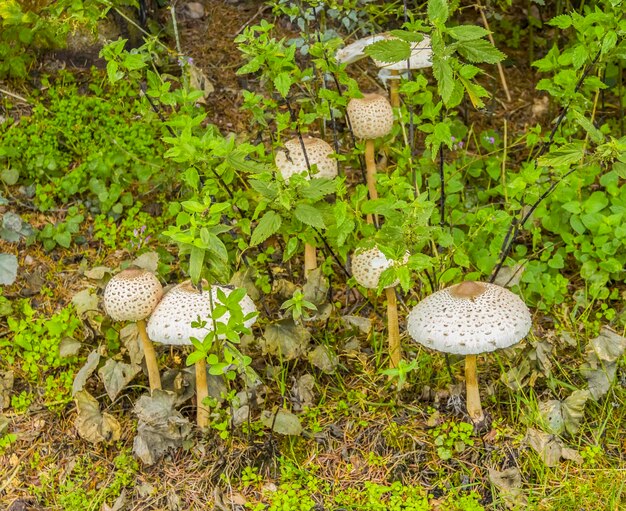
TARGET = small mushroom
(371,117)
(367,267)
(300,157)
(468,319)
(132,295)
(170,323)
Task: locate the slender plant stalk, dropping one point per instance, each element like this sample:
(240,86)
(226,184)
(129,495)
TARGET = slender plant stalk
(370,165)
(505,86)
(394,85)
(395,351)
(150,355)
(474,408)
(202,392)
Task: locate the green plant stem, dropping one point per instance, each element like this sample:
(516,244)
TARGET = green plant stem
(150,356)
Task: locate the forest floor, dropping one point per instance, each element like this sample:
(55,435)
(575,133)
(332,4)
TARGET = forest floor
(366,444)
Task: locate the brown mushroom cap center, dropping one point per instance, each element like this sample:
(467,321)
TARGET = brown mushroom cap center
(468,290)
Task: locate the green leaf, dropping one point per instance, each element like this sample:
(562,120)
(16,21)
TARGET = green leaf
(445,80)
(194,357)
(563,21)
(480,51)
(594,133)
(282,82)
(268,225)
(567,154)
(438,11)
(390,50)
(196,260)
(309,215)
(467,32)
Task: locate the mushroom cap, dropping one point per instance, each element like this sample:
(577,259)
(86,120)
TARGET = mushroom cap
(291,160)
(369,264)
(469,318)
(421,57)
(371,116)
(170,323)
(132,295)
(356,50)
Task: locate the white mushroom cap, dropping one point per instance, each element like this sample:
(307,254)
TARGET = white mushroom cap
(170,322)
(132,295)
(291,160)
(371,116)
(356,50)
(421,57)
(469,318)
(369,264)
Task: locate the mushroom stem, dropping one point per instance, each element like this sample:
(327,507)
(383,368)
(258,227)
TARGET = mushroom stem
(150,355)
(202,392)
(310,258)
(370,165)
(395,352)
(394,94)
(474,409)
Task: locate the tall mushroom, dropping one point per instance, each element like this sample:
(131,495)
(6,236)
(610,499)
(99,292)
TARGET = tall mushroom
(367,267)
(371,117)
(132,295)
(170,323)
(468,319)
(300,157)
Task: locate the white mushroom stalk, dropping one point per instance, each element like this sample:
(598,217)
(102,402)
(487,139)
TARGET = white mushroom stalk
(371,117)
(171,321)
(367,267)
(132,295)
(468,319)
(300,156)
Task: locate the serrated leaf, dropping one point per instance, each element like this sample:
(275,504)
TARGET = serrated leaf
(317,188)
(92,425)
(8,269)
(438,11)
(609,345)
(240,162)
(567,154)
(389,50)
(267,226)
(563,21)
(85,301)
(116,375)
(480,51)
(573,410)
(283,422)
(282,83)
(309,215)
(445,79)
(467,32)
(594,133)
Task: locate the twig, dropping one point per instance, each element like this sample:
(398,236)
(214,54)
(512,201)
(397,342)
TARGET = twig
(481,8)
(15,96)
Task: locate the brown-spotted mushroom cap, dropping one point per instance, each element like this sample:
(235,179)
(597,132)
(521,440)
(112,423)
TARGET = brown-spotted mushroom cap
(132,295)
(369,264)
(291,160)
(469,318)
(371,116)
(421,56)
(170,322)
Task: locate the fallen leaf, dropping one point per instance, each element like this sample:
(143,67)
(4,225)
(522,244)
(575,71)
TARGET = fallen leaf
(69,347)
(564,415)
(92,425)
(160,426)
(510,276)
(609,345)
(119,503)
(515,377)
(147,261)
(181,382)
(129,335)
(4,425)
(85,301)
(315,289)
(285,339)
(509,482)
(97,273)
(324,359)
(8,269)
(93,359)
(7,379)
(363,324)
(243,278)
(599,376)
(552,415)
(116,375)
(283,422)
(199,81)
(547,446)
(303,392)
